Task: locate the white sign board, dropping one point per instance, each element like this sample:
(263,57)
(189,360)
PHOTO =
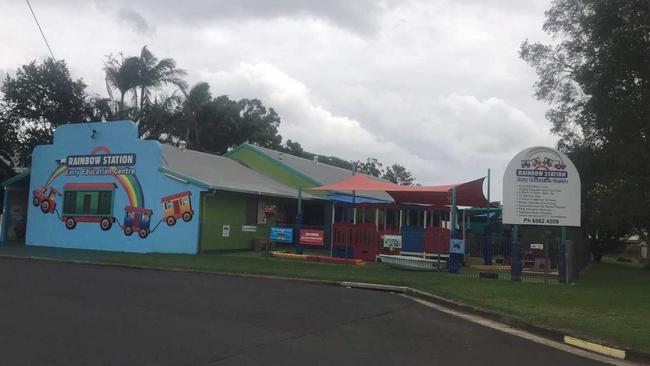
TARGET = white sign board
(225,231)
(249,228)
(392,241)
(541,186)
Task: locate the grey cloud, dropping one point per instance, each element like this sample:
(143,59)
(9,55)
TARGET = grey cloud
(359,15)
(135,20)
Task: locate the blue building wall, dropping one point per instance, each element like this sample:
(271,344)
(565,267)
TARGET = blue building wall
(115,156)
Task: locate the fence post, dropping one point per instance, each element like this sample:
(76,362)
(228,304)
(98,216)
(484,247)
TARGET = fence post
(515,256)
(563,263)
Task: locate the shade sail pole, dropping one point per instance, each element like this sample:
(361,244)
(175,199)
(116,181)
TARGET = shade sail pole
(332,230)
(400,221)
(298,223)
(487,252)
(454,258)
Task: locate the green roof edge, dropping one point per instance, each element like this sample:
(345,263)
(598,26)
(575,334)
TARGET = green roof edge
(16,178)
(176,174)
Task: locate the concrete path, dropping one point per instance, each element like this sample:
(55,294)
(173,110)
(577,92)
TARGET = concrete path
(67,314)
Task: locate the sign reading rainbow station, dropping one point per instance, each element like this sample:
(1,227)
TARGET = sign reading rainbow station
(541,186)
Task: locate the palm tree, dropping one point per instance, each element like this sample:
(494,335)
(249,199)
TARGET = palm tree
(195,99)
(121,74)
(154,73)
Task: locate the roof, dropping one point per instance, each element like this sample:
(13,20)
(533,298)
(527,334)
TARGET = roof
(467,194)
(321,173)
(217,172)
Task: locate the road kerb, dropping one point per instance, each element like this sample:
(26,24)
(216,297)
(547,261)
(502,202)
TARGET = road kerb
(595,347)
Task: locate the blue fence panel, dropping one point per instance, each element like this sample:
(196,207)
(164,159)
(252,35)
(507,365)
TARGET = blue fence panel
(412,239)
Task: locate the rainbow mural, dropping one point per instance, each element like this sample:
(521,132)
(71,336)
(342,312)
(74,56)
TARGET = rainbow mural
(132,188)
(129,182)
(55,174)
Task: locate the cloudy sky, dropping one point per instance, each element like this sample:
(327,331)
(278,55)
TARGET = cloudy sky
(435,85)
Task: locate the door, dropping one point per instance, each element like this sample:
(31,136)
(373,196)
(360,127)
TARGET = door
(177,208)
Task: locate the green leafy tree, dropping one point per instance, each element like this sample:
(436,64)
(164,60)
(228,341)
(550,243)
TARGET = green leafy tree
(371,167)
(163,119)
(122,74)
(154,73)
(258,124)
(34,101)
(195,101)
(596,78)
(398,175)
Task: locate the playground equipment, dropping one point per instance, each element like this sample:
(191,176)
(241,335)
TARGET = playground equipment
(45,198)
(177,206)
(137,219)
(88,202)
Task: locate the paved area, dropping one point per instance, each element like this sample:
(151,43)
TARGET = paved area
(67,314)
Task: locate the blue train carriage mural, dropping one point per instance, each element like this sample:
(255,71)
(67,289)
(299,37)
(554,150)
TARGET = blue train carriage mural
(177,206)
(137,219)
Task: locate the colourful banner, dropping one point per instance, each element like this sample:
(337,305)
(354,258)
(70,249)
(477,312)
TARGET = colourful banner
(281,235)
(312,237)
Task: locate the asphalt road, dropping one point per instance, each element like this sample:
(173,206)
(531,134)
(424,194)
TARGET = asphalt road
(68,314)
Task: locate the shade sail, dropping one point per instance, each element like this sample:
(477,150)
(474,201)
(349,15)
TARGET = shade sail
(467,194)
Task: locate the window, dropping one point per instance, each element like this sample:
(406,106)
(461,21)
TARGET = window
(261,216)
(251,211)
(69,202)
(105,203)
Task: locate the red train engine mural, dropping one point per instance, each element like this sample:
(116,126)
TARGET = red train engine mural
(45,198)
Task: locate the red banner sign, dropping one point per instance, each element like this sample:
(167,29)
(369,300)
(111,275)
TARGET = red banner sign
(312,237)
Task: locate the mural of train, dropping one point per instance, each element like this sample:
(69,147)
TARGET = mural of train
(137,219)
(88,202)
(547,163)
(177,206)
(45,198)
(93,203)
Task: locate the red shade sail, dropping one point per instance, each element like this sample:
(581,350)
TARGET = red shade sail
(467,194)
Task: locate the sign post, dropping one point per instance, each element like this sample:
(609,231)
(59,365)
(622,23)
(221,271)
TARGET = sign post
(541,186)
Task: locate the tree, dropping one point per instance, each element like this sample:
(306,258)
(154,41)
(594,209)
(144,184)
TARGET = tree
(596,79)
(371,167)
(195,100)
(40,97)
(122,74)
(153,73)
(258,125)
(398,175)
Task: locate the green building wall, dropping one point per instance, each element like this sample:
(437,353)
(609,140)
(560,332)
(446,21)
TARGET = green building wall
(226,208)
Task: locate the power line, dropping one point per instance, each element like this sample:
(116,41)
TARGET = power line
(40,29)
